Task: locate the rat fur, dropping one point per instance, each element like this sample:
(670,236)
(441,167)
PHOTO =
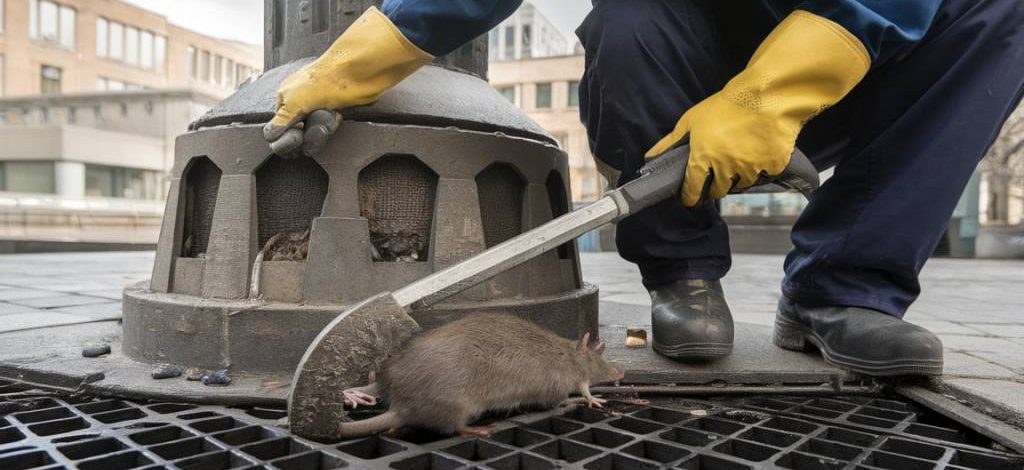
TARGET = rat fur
(447,377)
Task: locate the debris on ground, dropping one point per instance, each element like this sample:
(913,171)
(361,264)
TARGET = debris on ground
(217,379)
(166,371)
(96,350)
(636,338)
(402,246)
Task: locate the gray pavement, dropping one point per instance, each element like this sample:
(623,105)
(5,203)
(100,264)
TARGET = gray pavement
(975,306)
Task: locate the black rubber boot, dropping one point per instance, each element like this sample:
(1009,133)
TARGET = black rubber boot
(690,320)
(859,339)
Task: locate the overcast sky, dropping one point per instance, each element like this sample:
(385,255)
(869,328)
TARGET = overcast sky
(243,19)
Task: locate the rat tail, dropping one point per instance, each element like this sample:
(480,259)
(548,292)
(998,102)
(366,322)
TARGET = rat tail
(367,427)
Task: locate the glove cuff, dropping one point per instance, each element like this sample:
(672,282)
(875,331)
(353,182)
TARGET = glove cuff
(370,57)
(805,65)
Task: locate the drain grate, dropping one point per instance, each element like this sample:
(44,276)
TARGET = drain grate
(40,430)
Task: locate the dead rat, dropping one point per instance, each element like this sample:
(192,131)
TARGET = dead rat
(448,376)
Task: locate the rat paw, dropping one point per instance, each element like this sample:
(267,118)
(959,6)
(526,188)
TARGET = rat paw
(353,398)
(475,431)
(593,402)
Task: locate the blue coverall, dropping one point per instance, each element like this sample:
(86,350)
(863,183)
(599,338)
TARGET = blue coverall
(945,76)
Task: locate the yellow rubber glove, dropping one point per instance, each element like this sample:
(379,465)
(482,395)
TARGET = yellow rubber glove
(749,128)
(370,57)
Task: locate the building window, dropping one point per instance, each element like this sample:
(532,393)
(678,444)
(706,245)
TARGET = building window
(131,46)
(109,181)
(525,46)
(160,53)
(509,92)
(191,62)
(510,43)
(204,66)
(1,71)
(574,94)
(51,23)
(229,72)
(218,69)
(2,15)
(543,98)
(109,84)
(50,78)
(116,41)
(146,50)
(102,34)
(28,177)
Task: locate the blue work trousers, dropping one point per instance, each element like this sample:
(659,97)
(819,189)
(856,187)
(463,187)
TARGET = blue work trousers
(904,142)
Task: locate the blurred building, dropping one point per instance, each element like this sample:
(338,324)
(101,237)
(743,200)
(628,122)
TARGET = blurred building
(73,46)
(524,35)
(92,96)
(547,90)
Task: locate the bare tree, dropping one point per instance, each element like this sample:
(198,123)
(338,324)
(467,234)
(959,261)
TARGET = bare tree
(1003,167)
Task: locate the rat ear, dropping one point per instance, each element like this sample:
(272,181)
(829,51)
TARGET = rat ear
(600,347)
(584,342)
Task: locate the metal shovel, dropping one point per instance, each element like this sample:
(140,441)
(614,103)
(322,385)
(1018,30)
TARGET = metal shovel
(362,337)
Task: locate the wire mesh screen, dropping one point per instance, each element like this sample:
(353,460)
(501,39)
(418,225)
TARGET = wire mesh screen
(290,193)
(500,189)
(202,180)
(397,195)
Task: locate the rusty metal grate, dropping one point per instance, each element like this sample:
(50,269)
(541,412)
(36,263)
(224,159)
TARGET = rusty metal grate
(40,430)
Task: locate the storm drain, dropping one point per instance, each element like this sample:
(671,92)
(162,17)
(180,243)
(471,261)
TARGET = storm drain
(40,430)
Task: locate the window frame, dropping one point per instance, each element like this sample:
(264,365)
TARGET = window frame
(63,33)
(537,95)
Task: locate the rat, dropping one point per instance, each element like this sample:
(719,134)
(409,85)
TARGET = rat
(448,376)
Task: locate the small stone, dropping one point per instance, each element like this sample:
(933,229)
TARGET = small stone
(699,412)
(96,350)
(636,338)
(166,371)
(194,374)
(217,379)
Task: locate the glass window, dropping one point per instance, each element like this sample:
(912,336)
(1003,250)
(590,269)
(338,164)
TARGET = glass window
(48,20)
(131,45)
(146,49)
(510,42)
(116,40)
(526,49)
(50,80)
(160,53)
(29,177)
(33,18)
(204,66)
(191,62)
(543,98)
(574,94)
(225,77)
(67,27)
(108,181)
(218,66)
(509,92)
(1,16)
(101,84)
(102,34)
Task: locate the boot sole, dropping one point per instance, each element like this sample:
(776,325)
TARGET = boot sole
(693,351)
(798,337)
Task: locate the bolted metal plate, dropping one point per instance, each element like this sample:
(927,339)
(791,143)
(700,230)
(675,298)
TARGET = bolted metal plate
(41,430)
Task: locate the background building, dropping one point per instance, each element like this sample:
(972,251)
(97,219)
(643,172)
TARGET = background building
(92,96)
(73,46)
(524,35)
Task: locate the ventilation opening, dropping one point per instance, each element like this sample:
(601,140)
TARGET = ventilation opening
(500,189)
(396,196)
(290,193)
(202,180)
(559,206)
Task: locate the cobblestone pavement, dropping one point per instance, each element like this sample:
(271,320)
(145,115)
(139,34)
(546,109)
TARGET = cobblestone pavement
(975,306)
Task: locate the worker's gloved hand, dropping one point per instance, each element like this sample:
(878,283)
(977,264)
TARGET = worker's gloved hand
(749,128)
(370,57)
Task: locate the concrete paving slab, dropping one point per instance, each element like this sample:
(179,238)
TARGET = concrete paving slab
(25,321)
(942,327)
(1006,394)
(99,311)
(755,360)
(7,309)
(959,364)
(999,329)
(998,350)
(60,300)
(15,294)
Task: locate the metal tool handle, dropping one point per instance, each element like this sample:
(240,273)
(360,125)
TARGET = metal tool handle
(662,177)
